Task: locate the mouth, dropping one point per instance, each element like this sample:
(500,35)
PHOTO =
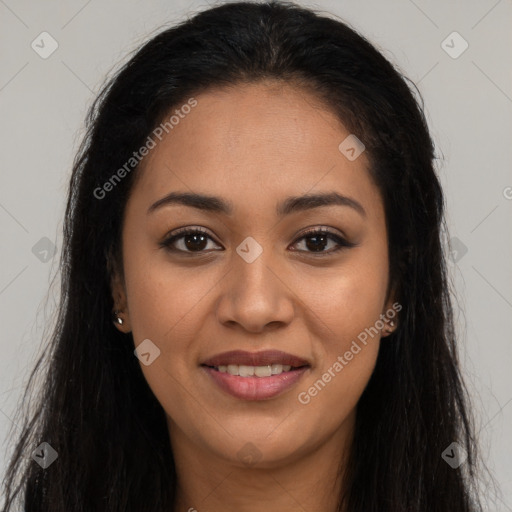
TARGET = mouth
(255,376)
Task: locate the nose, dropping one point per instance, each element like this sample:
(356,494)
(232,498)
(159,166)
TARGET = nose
(255,295)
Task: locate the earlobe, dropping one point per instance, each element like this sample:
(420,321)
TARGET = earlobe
(389,328)
(390,315)
(120,316)
(121,321)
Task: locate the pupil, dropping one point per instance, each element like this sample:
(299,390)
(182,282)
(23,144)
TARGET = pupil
(314,247)
(196,244)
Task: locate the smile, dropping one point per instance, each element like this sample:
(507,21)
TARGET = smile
(255,376)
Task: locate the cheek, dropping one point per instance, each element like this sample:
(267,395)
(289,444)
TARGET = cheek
(165,307)
(347,306)
(347,358)
(332,393)
(350,297)
(163,299)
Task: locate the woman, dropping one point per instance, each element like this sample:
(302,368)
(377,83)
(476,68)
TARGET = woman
(255,203)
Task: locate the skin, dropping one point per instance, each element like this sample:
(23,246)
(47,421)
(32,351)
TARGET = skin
(255,145)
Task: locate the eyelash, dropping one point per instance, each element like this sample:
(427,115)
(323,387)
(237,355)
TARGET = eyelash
(183,232)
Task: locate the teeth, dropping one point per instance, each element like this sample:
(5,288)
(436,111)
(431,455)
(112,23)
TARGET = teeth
(250,371)
(246,371)
(262,371)
(233,369)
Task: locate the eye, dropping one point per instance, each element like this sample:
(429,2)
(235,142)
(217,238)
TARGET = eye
(319,239)
(189,240)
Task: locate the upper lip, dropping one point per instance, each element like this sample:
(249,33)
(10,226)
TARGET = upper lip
(263,358)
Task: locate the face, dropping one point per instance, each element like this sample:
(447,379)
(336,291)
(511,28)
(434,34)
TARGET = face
(258,289)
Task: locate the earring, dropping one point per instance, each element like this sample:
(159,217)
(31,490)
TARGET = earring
(116,318)
(391,325)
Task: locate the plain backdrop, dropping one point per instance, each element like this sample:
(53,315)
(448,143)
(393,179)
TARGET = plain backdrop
(468,103)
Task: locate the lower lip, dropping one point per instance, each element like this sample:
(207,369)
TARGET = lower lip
(255,388)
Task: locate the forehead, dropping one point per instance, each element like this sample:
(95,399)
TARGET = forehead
(254,141)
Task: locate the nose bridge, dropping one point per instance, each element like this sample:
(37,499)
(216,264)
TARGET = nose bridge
(251,263)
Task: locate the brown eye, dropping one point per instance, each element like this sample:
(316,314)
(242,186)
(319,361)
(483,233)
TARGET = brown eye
(187,240)
(317,240)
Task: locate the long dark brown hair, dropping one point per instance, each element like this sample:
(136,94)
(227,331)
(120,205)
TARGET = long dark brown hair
(96,409)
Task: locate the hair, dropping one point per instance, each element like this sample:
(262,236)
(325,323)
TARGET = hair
(96,408)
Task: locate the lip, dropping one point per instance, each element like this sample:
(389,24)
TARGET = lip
(255,388)
(262,358)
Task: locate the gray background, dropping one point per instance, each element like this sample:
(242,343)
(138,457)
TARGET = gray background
(468,103)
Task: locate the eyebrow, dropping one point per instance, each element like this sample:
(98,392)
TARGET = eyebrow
(290,205)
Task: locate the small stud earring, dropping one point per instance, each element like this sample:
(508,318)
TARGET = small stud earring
(390,327)
(117,319)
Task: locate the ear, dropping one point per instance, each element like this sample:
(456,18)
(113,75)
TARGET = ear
(390,315)
(118,290)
